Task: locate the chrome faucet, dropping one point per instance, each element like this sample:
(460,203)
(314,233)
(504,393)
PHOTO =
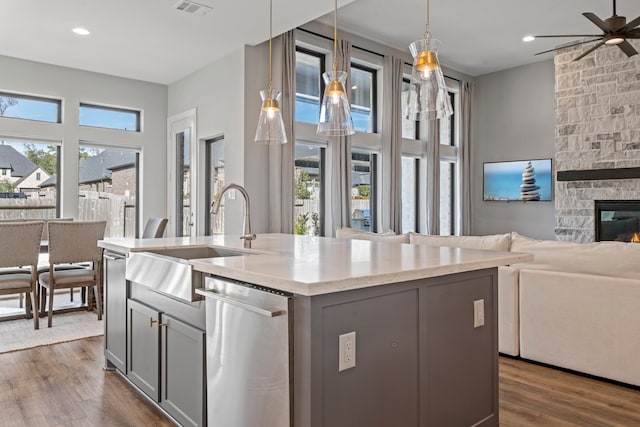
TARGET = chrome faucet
(247,235)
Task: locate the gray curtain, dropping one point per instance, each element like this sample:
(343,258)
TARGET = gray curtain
(281,156)
(466,99)
(433,177)
(340,165)
(392,147)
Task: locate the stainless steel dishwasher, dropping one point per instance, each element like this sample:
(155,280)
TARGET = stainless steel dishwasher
(248,354)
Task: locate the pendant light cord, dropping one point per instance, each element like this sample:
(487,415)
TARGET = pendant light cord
(335,37)
(427,33)
(270,37)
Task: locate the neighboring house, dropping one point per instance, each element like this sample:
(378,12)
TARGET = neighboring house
(15,167)
(110,171)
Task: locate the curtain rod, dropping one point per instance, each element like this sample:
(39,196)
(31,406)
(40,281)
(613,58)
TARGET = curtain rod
(331,39)
(363,49)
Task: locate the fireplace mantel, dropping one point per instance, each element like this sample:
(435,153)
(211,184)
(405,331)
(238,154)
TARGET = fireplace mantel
(598,174)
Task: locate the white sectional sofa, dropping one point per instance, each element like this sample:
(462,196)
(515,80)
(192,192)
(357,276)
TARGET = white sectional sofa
(576,305)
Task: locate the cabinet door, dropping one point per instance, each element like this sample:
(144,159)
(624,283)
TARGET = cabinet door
(115,311)
(183,371)
(144,348)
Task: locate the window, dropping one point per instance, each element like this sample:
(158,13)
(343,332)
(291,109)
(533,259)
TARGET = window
(309,189)
(109,118)
(183,186)
(363,98)
(30,108)
(363,190)
(409,129)
(107,189)
(447,198)
(410,179)
(214,170)
(449,215)
(37,198)
(309,86)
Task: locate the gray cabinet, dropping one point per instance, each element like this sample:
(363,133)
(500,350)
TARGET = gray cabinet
(115,310)
(167,362)
(182,359)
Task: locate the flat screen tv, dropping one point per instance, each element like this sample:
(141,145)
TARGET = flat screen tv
(520,180)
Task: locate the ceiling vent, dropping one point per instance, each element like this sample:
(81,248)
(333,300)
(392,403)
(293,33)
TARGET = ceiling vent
(193,7)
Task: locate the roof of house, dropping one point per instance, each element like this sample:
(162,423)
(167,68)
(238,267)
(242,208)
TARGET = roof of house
(20,165)
(98,168)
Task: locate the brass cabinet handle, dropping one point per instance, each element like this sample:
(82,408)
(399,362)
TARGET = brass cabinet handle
(152,321)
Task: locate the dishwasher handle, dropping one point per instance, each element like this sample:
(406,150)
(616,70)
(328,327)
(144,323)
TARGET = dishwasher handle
(229,300)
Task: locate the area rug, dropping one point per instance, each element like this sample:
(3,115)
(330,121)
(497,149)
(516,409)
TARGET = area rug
(19,334)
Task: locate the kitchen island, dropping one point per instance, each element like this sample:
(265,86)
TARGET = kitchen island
(376,333)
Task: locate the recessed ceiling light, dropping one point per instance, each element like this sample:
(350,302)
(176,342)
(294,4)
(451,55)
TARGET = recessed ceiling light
(528,38)
(81,31)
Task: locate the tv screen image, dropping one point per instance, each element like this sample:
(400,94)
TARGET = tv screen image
(522,180)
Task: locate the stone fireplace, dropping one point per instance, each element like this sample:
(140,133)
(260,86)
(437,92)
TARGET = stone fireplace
(597,153)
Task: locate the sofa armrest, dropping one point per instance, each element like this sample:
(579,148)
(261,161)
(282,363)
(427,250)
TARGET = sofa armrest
(583,322)
(508,311)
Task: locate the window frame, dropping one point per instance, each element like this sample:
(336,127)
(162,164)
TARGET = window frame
(359,65)
(94,106)
(43,99)
(322,56)
(322,171)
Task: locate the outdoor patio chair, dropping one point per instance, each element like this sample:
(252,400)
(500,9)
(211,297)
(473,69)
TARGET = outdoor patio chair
(73,243)
(19,253)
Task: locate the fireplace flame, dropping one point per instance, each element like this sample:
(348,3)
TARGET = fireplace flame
(635,238)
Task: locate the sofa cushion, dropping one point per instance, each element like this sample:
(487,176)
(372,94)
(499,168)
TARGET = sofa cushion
(496,242)
(388,236)
(602,258)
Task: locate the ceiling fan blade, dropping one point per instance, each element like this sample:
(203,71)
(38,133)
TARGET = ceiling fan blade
(569,45)
(568,35)
(631,25)
(589,51)
(626,47)
(599,22)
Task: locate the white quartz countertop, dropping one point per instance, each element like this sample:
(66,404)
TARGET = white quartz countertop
(318,265)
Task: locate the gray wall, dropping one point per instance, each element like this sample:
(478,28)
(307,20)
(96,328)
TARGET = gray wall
(513,119)
(74,86)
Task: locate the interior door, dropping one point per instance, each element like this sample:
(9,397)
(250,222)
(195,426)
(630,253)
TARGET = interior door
(182,167)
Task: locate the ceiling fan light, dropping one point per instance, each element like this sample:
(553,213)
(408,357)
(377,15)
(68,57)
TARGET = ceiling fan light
(614,40)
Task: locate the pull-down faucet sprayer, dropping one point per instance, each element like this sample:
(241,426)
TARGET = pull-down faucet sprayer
(247,235)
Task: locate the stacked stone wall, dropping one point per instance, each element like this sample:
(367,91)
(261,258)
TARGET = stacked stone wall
(597,127)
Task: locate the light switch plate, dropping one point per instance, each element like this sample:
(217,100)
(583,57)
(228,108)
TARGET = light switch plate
(478,313)
(346,351)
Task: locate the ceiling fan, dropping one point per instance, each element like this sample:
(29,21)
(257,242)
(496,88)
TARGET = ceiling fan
(615,29)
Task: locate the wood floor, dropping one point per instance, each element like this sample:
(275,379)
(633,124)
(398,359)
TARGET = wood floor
(65,385)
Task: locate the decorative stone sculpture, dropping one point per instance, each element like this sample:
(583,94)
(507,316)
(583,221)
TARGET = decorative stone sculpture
(529,189)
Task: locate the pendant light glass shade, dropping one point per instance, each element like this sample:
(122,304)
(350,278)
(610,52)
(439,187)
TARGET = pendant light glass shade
(270,124)
(428,96)
(335,110)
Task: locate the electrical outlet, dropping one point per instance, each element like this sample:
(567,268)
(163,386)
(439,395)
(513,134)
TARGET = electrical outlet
(346,351)
(478,313)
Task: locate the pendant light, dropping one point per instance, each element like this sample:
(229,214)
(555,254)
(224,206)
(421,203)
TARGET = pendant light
(270,124)
(335,110)
(428,96)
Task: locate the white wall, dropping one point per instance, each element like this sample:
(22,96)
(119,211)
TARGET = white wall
(513,119)
(225,94)
(75,86)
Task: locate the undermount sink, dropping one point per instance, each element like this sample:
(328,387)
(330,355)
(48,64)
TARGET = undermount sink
(195,252)
(168,270)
